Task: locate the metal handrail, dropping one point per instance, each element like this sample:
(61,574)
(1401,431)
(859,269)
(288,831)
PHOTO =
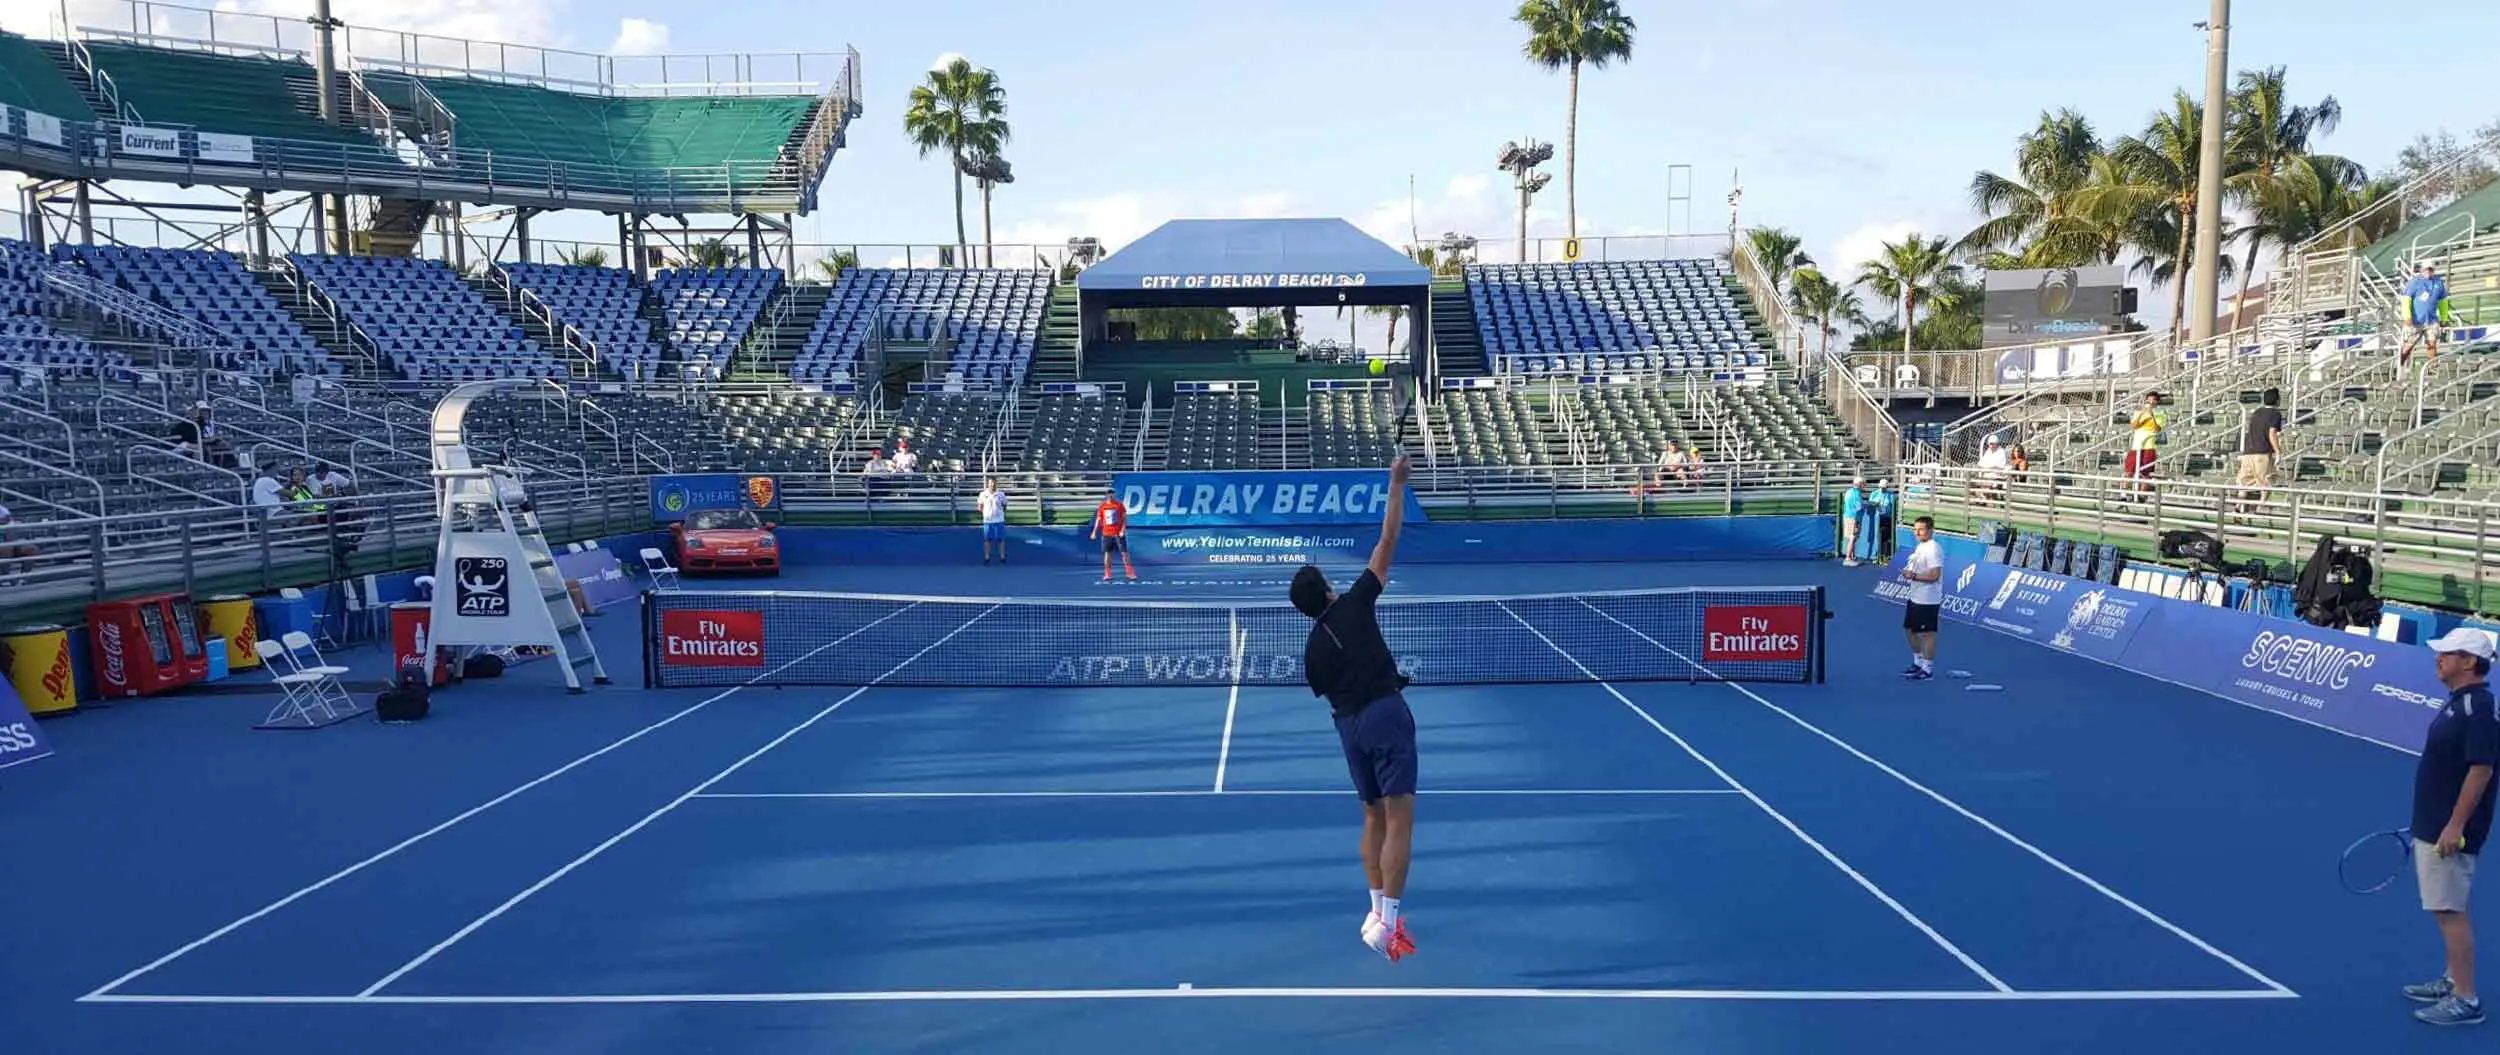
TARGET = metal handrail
(54,470)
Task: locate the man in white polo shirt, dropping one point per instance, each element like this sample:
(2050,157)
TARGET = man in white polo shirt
(1924,570)
(993,520)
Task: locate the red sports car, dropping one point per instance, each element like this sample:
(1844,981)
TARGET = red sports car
(726,540)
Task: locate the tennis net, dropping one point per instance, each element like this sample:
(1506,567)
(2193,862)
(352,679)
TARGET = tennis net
(723,638)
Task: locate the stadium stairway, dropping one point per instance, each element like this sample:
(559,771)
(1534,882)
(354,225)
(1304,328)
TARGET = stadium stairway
(1054,358)
(582,369)
(781,332)
(332,337)
(1454,335)
(68,70)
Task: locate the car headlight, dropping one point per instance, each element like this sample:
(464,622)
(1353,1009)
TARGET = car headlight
(694,543)
(766,543)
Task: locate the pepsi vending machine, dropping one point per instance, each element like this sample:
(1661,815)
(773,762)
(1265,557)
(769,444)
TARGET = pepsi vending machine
(146,645)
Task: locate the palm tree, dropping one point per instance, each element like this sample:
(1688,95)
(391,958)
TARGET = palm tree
(1393,312)
(2153,194)
(2271,140)
(1955,316)
(1823,302)
(961,112)
(2036,214)
(988,171)
(1568,34)
(712,253)
(1904,272)
(833,266)
(588,256)
(1779,253)
(2312,194)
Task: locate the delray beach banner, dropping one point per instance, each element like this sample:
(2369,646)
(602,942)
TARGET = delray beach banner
(2380,690)
(1261,499)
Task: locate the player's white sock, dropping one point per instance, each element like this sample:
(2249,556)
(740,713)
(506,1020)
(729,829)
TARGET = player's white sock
(1926,664)
(1375,901)
(1389,912)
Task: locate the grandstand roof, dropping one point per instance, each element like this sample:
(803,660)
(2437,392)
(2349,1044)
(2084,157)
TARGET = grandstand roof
(1257,262)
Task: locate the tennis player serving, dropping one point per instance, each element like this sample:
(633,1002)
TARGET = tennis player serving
(1348,661)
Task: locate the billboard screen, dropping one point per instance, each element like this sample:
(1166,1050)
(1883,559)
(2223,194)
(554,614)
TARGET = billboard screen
(2034,305)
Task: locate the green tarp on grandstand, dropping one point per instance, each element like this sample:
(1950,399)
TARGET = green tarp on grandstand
(1258,257)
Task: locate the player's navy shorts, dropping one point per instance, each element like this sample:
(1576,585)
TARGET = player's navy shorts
(1380,748)
(994,531)
(1115,543)
(1921,618)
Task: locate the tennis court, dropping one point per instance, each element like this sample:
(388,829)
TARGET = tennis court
(2084,862)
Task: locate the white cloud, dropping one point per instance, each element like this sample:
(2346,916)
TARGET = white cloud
(640,36)
(948,58)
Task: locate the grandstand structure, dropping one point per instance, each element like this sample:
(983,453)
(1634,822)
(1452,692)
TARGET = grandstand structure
(1555,384)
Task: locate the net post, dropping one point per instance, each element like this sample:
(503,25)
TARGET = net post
(1816,626)
(650,661)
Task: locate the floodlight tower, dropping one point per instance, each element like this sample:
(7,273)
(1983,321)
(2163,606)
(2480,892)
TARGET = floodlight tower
(1521,160)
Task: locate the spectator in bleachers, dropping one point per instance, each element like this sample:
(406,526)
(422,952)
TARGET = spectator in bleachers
(268,495)
(2426,302)
(872,476)
(904,460)
(2260,439)
(329,482)
(198,438)
(2144,440)
(1994,465)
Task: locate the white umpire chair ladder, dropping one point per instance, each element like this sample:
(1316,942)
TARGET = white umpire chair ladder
(496,581)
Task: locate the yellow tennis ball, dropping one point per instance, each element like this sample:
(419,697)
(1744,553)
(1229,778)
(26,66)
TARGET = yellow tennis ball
(1379,367)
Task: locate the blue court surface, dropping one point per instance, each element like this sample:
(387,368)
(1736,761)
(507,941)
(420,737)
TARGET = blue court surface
(2085,862)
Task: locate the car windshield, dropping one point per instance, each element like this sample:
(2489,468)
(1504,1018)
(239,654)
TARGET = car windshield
(718,519)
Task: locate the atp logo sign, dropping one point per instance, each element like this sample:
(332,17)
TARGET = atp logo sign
(484,585)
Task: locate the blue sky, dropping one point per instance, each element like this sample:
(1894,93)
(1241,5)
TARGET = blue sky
(1850,122)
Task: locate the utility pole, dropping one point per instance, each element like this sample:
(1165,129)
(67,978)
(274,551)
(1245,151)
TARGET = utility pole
(2203,296)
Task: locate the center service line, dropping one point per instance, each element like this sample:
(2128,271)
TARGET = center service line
(1232,703)
(654,815)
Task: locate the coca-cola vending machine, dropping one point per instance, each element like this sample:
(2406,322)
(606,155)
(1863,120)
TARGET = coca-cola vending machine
(146,645)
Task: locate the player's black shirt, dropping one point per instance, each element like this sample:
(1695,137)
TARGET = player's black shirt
(1346,659)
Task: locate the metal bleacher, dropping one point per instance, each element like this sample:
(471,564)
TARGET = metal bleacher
(992,320)
(604,304)
(1641,316)
(422,322)
(710,311)
(214,290)
(1078,432)
(1215,430)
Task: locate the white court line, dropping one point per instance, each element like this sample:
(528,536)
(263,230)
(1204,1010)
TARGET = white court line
(899,996)
(1232,702)
(474,811)
(1957,807)
(1904,912)
(654,815)
(1193,793)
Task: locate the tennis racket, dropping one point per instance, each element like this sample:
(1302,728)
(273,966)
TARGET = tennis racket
(2376,860)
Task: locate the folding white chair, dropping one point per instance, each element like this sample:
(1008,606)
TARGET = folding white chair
(663,575)
(311,699)
(297,643)
(320,619)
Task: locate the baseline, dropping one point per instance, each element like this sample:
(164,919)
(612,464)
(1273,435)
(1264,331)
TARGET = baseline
(1185,991)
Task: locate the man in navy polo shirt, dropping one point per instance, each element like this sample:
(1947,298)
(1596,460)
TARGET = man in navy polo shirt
(2452,806)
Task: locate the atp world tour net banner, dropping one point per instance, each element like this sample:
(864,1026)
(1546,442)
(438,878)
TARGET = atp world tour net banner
(1312,498)
(2361,685)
